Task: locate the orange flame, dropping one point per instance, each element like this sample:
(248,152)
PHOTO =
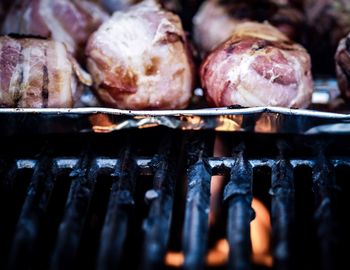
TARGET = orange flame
(260,229)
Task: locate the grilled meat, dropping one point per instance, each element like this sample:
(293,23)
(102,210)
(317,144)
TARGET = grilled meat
(70,22)
(2,12)
(114,5)
(258,66)
(328,22)
(342,59)
(139,59)
(37,73)
(216,20)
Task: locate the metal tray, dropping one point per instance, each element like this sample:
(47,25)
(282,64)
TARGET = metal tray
(324,119)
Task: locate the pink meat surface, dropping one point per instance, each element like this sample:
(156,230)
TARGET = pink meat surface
(70,22)
(258,66)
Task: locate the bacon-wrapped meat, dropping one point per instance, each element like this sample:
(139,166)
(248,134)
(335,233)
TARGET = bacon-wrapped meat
(37,73)
(258,66)
(328,22)
(139,59)
(67,21)
(216,20)
(2,12)
(342,59)
(114,5)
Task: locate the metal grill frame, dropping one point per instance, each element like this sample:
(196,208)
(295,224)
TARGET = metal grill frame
(85,170)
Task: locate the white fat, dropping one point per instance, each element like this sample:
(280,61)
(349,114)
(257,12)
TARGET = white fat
(27,19)
(241,70)
(247,97)
(304,90)
(131,40)
(66,77)
(56,29)
(164,26)
(14,83)
(26,67)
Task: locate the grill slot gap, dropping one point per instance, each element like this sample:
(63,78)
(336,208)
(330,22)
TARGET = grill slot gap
(50,223)
(14,187)
(306,253)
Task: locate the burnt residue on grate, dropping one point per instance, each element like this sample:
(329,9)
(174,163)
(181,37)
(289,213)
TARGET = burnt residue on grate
(282,209)
(140,200)
(118,213)
(160,200)
(326,189)
(195,232)
(238,196)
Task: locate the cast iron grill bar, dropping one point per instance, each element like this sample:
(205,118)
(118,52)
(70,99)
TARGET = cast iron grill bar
(145,168)
(125,170)
(238,197)
(5,166)
(157,225)
(33,210)
(69,232)
(282,213)
(121,203)
(324,187)
(9,174)
(195,229)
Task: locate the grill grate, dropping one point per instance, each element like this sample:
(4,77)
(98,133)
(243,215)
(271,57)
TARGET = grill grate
(125,200)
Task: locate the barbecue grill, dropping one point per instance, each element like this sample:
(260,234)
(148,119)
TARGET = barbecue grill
(140,199)
(100,188)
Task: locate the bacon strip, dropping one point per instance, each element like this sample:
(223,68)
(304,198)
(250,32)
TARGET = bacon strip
(139,59)
(36,73)
(258,66)
(70,22)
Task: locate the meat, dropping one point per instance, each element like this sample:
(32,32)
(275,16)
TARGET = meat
(328,22)
(113,5)
(342,59)
(216,20)
(37,73)
(4,4)
(328,17)
(140,59)
(258,66)
(70,22)
(2,12)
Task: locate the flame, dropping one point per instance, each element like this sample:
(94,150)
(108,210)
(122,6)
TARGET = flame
(229,123)
(191,122)
(101,123)
(217,183)
(260,229)
(174,259)
(267,123)
(260,232)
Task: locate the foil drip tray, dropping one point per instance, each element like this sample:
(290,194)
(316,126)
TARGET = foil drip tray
(327,114)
